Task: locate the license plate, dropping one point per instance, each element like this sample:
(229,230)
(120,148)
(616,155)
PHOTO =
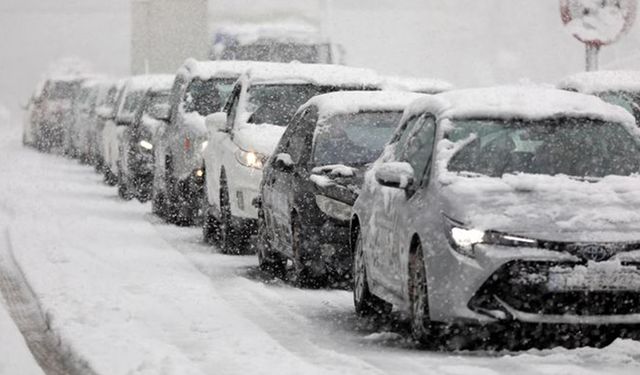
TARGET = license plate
(588,278)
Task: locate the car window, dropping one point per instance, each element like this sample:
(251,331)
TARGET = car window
(416,144)
(301,137)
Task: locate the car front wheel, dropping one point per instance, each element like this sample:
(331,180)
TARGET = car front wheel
(418,297)
(269,261)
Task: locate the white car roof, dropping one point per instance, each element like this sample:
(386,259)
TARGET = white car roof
(359,101)
(602,81)
(529,103)
(417,84)
(319,74)
(155,82)
(214,69)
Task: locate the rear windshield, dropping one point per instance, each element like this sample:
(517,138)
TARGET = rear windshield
(355,138)
(207,96)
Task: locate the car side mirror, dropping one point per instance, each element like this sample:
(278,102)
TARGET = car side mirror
(283,162)
(160,111)
(217,122)
(399,175)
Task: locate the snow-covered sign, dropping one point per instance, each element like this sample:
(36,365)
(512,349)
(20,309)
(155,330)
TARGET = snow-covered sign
(598,22)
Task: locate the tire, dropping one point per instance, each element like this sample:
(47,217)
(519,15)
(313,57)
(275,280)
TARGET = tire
(229,243)
(123,189)
(210,225)
(306,277)
(365,302)
(158,205)
(418,297)
(269,261)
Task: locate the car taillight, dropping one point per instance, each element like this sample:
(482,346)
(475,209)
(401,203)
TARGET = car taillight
(187,144)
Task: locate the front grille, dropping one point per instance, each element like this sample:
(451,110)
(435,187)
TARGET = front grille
(523,286)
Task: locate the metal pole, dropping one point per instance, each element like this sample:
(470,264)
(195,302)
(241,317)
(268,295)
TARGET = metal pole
(591,53)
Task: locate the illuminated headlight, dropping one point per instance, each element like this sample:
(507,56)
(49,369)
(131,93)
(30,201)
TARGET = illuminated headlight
(199,173)
(463,240)
(204,145)
(146,145)
(333,208)
(250,159)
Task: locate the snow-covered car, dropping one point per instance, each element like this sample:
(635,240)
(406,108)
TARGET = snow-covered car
(200,88)
(614,86)
(59,94)
(311,183)
(500,205)
(262,104)
(32,112)
(131,98)
(275,42)
(106,109)
(135,176)
(76,142)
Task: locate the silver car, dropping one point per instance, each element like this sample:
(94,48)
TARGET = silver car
(503,204)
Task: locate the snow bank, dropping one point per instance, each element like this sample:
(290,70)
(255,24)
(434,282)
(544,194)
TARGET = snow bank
(15,357)
(342,102)
(529,103)
(602,81)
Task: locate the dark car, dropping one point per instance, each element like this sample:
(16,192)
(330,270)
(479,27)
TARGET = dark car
(136,146)
(314,177)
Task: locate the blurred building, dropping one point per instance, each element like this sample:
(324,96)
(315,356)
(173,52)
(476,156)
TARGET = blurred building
(166,32)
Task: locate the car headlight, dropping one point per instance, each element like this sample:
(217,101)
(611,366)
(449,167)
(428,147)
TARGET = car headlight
(333,208)
(146,145)
(463,239)
(250,159)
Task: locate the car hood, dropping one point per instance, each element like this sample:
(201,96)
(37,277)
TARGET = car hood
(339,181)
(552,208)
(262,138)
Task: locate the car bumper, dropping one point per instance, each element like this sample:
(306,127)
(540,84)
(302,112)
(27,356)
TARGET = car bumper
(518,284)
(328,244)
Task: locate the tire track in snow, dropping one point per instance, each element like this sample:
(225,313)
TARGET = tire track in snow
(23,306)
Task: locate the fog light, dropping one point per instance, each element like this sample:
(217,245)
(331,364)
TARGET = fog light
(199,173)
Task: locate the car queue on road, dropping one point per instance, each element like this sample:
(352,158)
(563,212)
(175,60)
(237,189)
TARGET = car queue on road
(479,206)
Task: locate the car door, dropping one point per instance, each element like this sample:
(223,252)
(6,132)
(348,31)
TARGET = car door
(287,181)
(417,150)
(388,205)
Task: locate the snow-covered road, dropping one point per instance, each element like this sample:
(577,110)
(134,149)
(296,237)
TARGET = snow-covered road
(127,294)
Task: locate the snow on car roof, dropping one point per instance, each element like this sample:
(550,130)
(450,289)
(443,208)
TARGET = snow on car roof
(155,82)
(319,74)
(209,69)
(416,84)
(529,103)
(359,101)
(602,81)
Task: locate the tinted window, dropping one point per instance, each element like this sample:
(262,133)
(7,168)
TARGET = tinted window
(61,90)
(354,138)
(207,96)
(572,146)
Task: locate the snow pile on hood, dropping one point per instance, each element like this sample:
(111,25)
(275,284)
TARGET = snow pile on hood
(318,74)
(205,70)
(527,103)
(602,81)
(194,121)
(262,138)
(153,82)
(415,84)
(547,207)
(342,102)
(249,33)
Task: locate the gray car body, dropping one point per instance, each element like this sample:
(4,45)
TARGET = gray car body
(393,220)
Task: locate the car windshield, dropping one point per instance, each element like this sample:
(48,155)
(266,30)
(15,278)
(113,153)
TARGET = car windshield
(280,52)
(626,100)
(277,103)
(207,96)
(355,138)
(577,147)
(131,101)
